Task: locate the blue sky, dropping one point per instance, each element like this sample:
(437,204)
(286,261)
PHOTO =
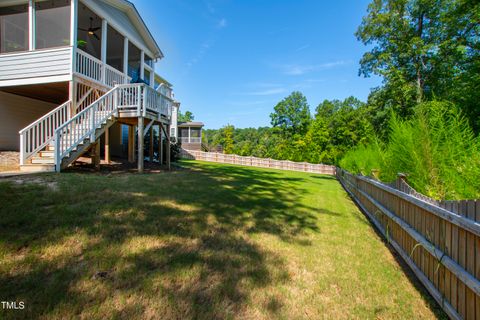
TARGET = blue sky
(232,61)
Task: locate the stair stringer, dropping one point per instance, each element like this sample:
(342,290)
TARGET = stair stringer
(85,146)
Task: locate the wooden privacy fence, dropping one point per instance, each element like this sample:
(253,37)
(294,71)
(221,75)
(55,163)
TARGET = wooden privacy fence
(257,162)
(440,241)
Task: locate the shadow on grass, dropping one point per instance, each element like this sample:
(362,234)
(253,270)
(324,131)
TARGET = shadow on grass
(56,237)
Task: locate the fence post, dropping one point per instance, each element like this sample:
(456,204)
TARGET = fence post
(401,177)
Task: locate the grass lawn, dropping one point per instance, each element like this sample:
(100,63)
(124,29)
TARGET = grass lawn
(207,242)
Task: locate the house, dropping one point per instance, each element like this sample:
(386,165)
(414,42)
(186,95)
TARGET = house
(74,75)
(190,135)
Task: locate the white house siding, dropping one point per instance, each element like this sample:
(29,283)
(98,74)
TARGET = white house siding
(41,66)
(17,112)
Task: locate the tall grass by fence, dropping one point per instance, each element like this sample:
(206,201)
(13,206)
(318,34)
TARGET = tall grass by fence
(257,162)
(440,241)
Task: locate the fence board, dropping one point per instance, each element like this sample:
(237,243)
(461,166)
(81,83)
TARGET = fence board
(440,241)
(257,162)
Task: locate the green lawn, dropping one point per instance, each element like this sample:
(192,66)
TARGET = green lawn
(206,242)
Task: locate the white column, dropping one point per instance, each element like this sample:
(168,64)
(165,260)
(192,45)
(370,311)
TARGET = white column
(31,25)
(142,65)
(73,23)
(189,134)
(104,48)
(73,32)
(152,78)
(125,58)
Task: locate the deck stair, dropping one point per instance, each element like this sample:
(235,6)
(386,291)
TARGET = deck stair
(56,140)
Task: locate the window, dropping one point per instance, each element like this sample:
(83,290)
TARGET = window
(52,24)
(13,28)
(172,132)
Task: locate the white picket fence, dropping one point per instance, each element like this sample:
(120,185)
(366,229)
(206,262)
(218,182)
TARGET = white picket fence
(258,162)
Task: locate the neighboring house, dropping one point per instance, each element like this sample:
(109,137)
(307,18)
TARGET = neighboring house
(190,135)
(73,74)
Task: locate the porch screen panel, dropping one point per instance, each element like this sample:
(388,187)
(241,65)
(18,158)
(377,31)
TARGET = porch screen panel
(14,28)
(146,76)
(52,24)
(195,133)
(183,132)
(134,60)
(148,60)
(115,49)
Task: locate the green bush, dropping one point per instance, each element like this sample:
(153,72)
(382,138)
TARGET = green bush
(364,158)
(436,148)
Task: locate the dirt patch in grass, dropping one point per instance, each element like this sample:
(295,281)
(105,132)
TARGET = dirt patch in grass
(9,161)
(206,242)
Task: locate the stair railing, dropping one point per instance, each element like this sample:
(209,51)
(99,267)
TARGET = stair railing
(83,125)
(40,133)
(136,98)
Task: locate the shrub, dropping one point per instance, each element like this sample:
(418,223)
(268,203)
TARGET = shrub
(436,148)
(364,158)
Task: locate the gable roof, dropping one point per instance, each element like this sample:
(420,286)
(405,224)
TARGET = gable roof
(124,16)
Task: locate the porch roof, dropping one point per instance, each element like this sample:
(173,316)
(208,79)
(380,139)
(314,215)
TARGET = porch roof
(190,124)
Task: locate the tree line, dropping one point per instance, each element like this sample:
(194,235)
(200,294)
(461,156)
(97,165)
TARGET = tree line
(428,55)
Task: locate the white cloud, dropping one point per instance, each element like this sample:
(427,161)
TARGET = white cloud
(210,7)
(296,69)
(222,23)
(204,47)
(306,46)
(267,92)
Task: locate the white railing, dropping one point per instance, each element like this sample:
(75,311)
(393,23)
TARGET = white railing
(166,91)
(94,69)
(190,139)
(137,98)
(130,99)
(114,77)
(143,98)
(88,66)
(37,135)
(83,125)
(157,102)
